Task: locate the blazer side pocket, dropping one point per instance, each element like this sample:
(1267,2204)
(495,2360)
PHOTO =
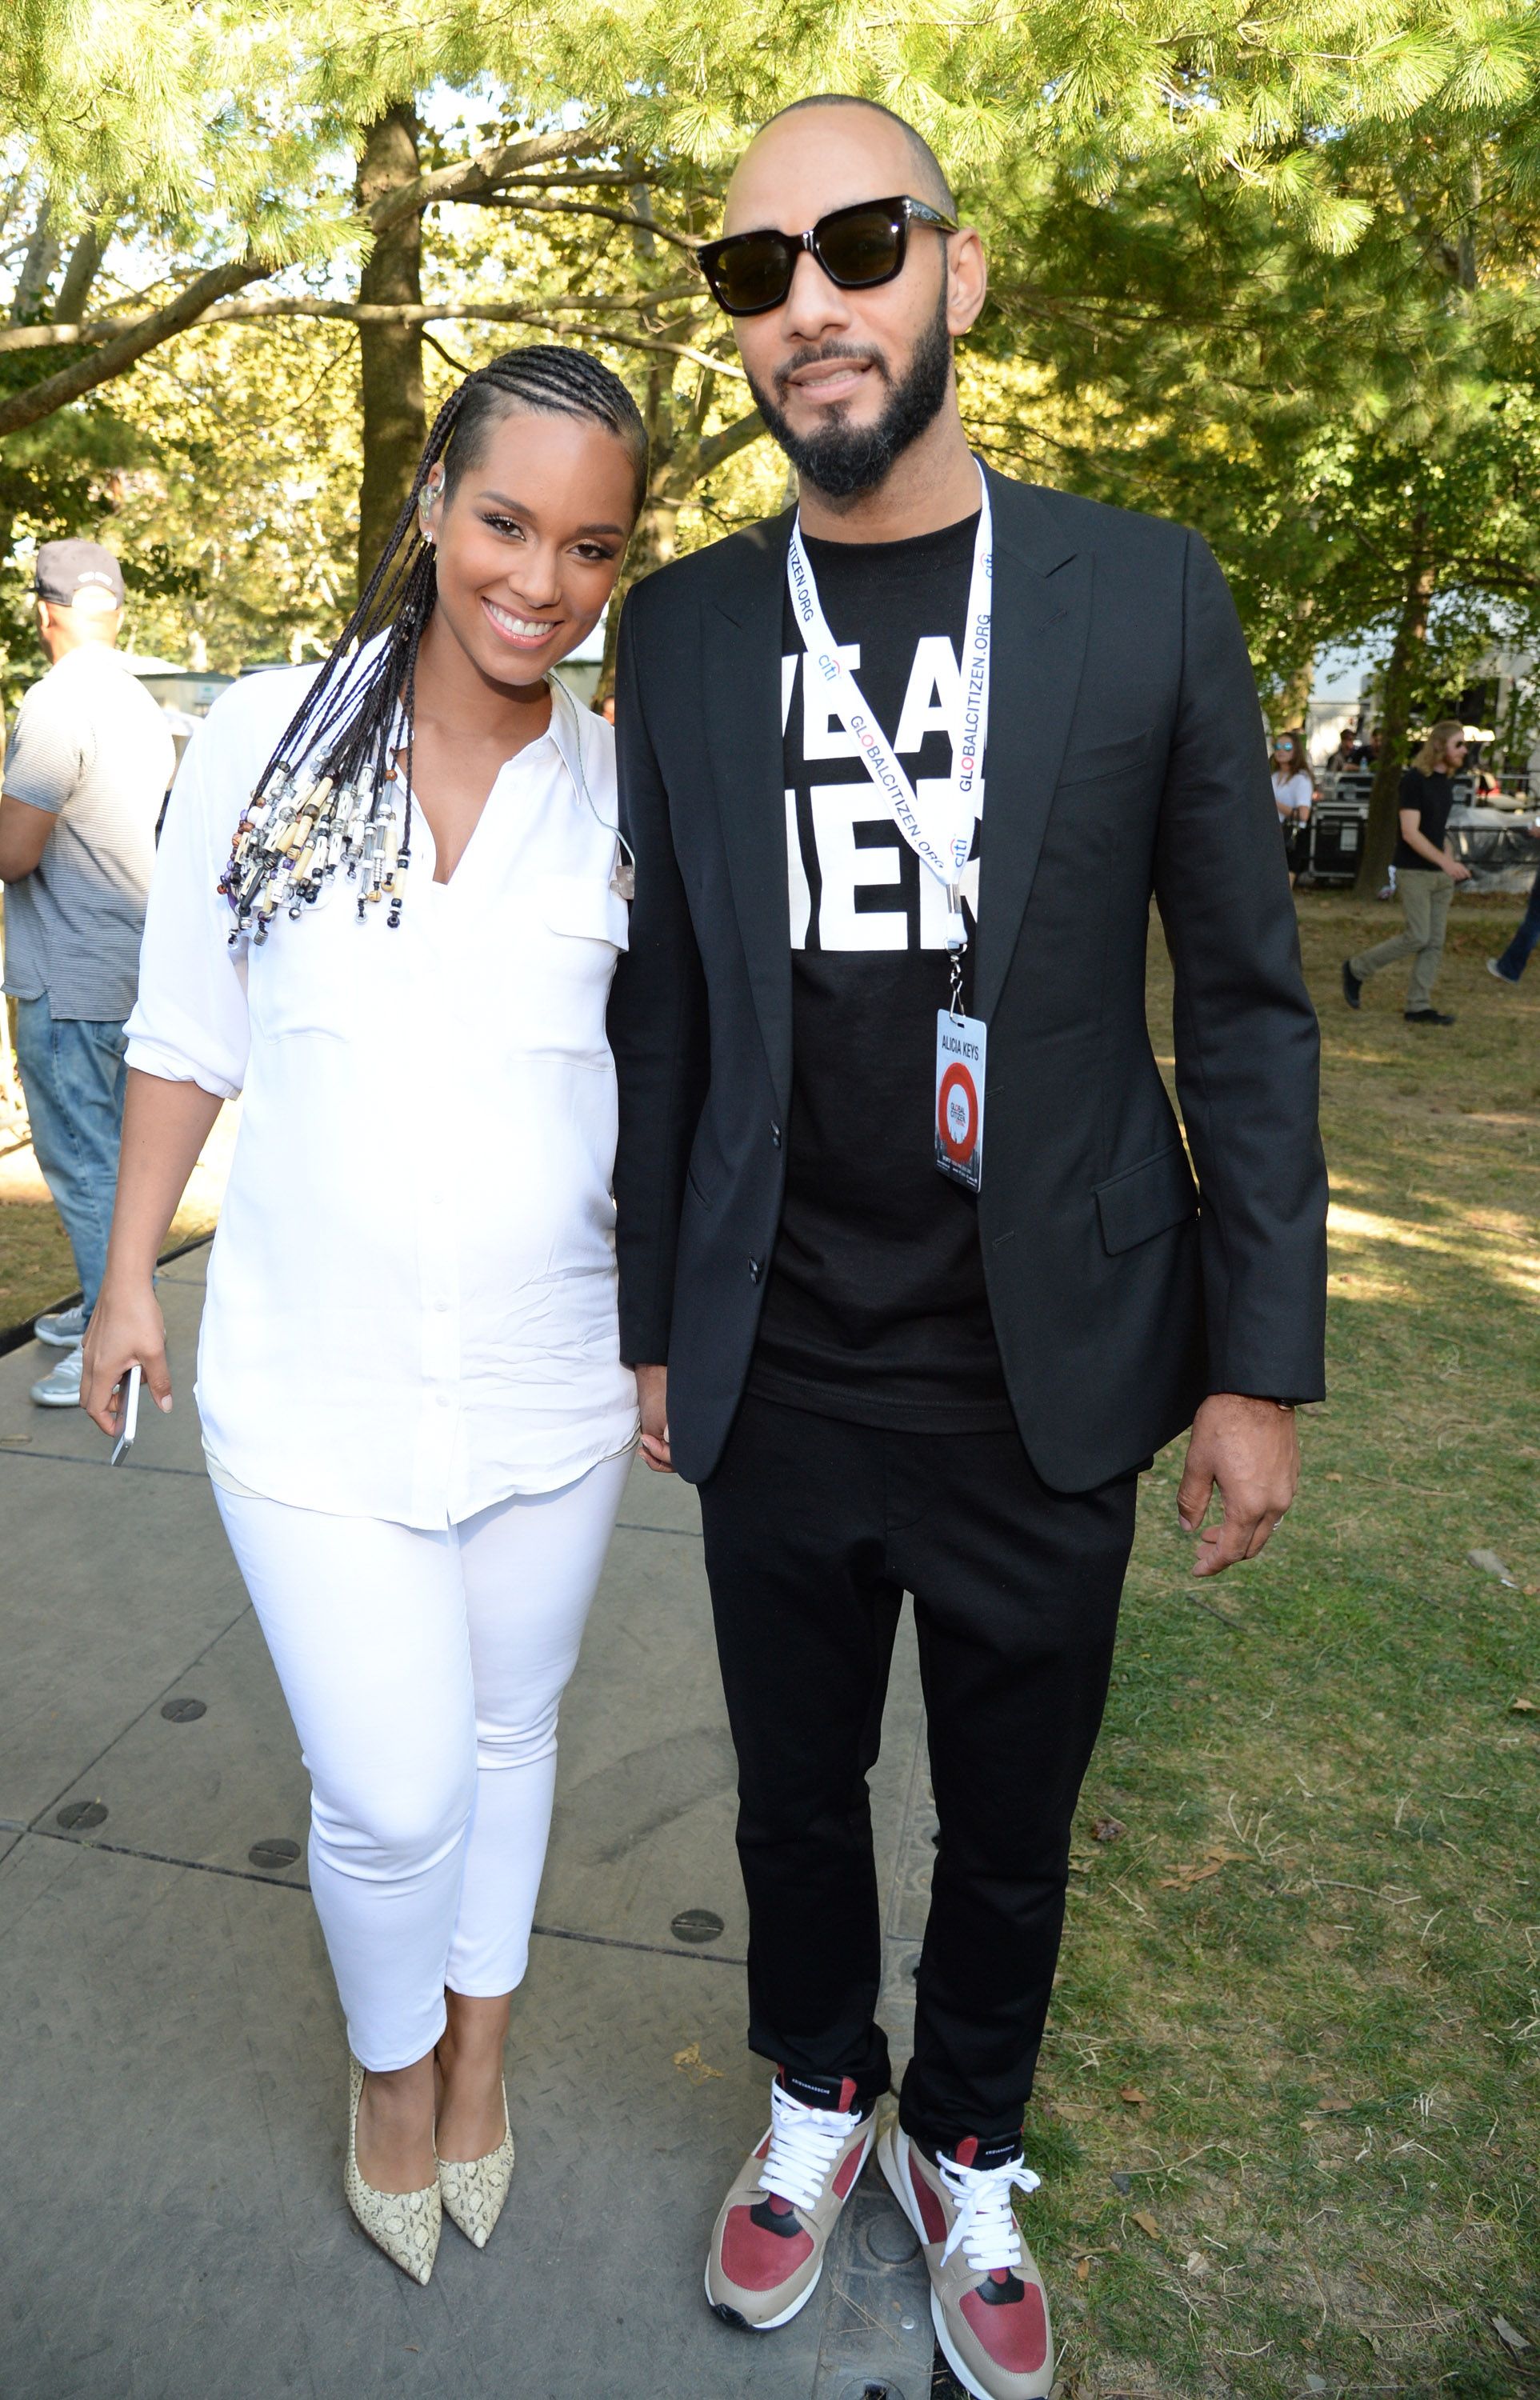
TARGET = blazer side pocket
(1146,1200)
(1106,759)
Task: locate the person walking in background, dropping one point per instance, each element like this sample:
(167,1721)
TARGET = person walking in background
(388,908)
(898,1352)
(88,765)
(1426,876)
(1511,965)
(1292,793)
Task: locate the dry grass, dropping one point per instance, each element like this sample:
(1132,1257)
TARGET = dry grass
(1288,2113)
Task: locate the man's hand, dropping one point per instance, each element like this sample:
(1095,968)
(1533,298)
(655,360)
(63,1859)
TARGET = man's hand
(652,1398)
(1251,1449)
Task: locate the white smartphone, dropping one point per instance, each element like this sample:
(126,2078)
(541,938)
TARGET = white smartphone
(130,1415)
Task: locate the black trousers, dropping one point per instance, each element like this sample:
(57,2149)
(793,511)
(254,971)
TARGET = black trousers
(814,1529)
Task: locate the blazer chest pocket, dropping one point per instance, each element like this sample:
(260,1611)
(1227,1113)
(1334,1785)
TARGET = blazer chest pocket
(1146,1200)
(1104,759)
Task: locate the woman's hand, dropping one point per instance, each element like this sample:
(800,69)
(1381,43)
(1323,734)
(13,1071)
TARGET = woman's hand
(126,1325)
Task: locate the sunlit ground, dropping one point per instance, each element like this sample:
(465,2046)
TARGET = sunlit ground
(1290,2113)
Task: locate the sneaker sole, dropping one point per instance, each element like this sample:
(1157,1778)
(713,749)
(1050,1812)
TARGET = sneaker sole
(55,1401)
(58,1340)
(887,2159)
(732,2316)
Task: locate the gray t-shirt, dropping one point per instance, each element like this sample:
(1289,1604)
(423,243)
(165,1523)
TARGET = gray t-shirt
(91,746)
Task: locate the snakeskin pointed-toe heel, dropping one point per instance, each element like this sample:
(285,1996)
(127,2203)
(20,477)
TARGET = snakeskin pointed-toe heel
(474,2190)
(406,2225)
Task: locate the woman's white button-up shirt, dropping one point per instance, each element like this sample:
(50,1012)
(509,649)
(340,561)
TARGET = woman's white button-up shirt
(411,1307)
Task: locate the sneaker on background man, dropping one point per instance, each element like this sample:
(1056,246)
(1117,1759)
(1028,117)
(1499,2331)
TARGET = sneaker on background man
(86,768)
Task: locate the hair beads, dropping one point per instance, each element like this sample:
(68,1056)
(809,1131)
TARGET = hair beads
(337,790)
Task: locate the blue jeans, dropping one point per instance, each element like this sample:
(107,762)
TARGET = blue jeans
(73,1077)
(1511,965)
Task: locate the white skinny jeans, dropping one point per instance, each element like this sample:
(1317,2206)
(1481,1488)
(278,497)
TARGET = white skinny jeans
(423,1672)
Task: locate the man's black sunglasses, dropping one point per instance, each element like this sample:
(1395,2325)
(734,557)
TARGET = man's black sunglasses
(856,248)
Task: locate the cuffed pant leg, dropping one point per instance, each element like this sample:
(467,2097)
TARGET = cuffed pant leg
(73,1080)
(1017,1594)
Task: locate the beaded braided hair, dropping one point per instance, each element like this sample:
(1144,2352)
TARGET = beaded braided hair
(337,790)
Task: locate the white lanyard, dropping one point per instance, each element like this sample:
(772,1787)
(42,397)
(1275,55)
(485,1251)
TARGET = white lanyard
(940,828)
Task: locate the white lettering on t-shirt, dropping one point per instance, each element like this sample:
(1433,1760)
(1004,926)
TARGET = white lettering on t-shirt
(935,694)
(788,685)
(844,869)
(822,734)
(799,893)
(823,853)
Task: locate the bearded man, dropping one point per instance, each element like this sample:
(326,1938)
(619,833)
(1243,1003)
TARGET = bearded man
(914,1271)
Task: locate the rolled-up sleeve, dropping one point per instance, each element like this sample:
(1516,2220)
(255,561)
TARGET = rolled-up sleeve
(190,1023)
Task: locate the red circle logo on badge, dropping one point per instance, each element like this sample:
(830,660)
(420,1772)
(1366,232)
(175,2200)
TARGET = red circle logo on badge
(957,1113)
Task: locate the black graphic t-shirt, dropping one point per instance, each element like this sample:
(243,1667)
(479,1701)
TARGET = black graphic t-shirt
(875,1310)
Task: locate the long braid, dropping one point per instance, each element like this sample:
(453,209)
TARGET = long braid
(326,796)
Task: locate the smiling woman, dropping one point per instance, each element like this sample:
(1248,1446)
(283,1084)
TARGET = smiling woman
(413,1404)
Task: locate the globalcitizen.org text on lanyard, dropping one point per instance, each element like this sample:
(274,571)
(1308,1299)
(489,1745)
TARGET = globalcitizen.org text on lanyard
(939,829)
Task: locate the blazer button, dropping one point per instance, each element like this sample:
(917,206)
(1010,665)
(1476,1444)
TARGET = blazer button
(754,1269)
(775,1136)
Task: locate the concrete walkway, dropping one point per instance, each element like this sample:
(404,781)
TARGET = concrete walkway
(171,2049)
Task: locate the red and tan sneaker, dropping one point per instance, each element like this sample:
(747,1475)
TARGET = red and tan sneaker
(987,2301)
(767,2247)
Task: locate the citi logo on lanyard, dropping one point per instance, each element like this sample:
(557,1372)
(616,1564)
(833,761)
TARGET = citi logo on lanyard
(939,829)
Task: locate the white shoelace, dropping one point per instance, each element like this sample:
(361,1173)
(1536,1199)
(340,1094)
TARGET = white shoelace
(984,2226)
(804,2144)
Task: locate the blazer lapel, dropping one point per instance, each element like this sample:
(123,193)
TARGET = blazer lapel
(743,680)
(1041,606)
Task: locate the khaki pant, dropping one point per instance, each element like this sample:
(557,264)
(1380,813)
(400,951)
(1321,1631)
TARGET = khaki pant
(1424,892)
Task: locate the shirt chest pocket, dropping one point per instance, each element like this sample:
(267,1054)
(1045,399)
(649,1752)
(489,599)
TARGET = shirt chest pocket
(588,923)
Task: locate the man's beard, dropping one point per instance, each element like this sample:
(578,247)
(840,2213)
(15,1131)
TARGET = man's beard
(846,460)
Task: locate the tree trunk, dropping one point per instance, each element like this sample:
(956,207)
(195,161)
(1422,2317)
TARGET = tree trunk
(390,356)
(1395,712)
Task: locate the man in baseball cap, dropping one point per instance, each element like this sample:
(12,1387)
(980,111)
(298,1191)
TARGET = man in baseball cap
(86,768)
(69,571)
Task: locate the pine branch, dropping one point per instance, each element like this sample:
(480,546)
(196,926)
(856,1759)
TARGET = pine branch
(350,312)
(40,400)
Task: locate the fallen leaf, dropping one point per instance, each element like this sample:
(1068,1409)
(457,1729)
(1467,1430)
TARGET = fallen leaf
(1521,1708)
(1196,2263)
(1324,1937)
(1199,1870)
(1083,2270)
(1508,2334)
(1120,2182)
(1314,2384)
(1335,2108)
(1076,2112)
(1107,1828)
(1134,2096)
(1490,1563)
(691,2064)
(1146,2223)
(1333,1479)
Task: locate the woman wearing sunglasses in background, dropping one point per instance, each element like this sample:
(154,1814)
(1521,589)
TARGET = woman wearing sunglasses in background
(386,909)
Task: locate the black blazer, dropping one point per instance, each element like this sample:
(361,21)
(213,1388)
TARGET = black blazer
(1125,756)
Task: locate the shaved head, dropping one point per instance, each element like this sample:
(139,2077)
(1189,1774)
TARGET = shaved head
(930,184)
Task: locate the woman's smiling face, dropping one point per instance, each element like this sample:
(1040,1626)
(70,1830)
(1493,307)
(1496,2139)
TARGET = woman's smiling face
(530,541)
